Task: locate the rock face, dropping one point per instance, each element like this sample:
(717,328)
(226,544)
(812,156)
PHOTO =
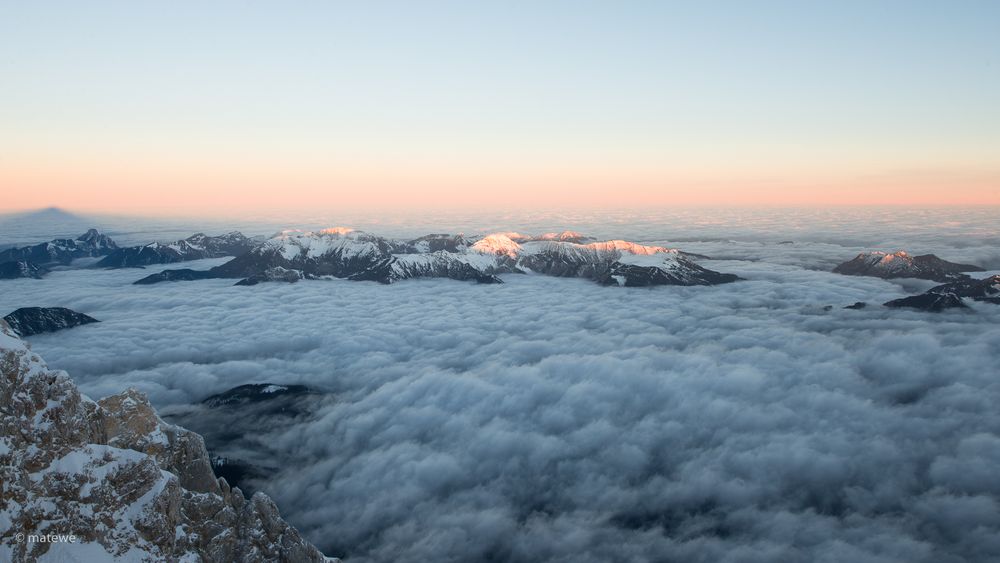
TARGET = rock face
(27,321)
(21,269)
(125,483)
(61,251)
(195,247)
(354,255)
(902,265)
(932,302)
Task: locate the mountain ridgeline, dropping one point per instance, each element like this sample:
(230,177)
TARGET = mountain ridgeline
(360,256)
(195,247)
(36,260)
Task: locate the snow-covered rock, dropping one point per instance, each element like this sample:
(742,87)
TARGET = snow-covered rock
(123,483)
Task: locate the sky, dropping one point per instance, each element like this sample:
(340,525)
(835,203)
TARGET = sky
(228,108)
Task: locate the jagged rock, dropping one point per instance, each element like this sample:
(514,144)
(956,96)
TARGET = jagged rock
(857,305)
(932,302)
(121,480)
(903,265)
(27,321)
(354,255)
(21,269)
(195,247)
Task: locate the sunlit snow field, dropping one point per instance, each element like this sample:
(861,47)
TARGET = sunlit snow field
(556,419)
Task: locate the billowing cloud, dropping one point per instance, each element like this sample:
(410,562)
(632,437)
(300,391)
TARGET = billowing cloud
(554,419)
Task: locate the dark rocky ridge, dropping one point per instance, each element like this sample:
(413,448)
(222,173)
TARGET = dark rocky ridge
(903,265)
(986,290)
(21,269)
(950,295)
(932,302)
(27,321)
(195,247)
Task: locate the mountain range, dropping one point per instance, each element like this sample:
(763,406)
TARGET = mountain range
(32,261)
(195,247)
(357,255)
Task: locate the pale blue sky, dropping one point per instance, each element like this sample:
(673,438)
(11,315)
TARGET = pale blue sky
(671,91)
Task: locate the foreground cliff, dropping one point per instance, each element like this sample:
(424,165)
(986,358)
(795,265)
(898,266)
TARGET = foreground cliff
(114,477)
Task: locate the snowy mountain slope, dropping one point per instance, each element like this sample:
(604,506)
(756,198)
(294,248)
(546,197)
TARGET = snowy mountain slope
(356,255)
(126,485)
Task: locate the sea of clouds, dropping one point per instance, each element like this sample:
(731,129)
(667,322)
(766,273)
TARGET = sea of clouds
(558,420)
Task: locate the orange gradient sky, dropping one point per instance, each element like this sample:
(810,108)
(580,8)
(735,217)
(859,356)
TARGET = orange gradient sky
(244,108)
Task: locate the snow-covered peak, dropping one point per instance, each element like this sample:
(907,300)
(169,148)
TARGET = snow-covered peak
(565,236)
(629,247)
(312,244)
(497,244)
(336,231)
(516,237)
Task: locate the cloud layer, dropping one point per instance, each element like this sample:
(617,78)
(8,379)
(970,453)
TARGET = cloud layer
(552,419)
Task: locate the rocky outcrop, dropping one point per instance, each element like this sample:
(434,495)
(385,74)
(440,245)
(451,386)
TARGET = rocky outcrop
(195,247)
(903,265)
(354,255)
(123,482)
(27,321)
